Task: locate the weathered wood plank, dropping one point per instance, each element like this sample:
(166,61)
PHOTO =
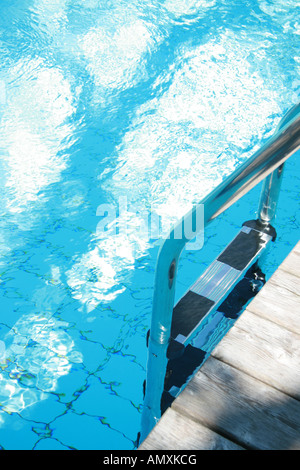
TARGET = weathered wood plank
(177,432)
(279,305)
(241,408)
(292,262)
(288,281)
(263,350)
(249,389)
(279,299)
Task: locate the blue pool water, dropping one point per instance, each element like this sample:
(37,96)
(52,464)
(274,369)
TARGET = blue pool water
(154,101)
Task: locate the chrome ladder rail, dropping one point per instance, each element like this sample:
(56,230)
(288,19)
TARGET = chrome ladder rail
(266,164)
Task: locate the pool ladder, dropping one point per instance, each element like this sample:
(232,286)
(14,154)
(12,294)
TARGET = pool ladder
(174,343)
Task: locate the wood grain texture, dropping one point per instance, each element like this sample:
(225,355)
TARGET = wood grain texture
(286,280)
(177,432)
(241,408)
(248,391)
(279,300)
(292,262)
(279,305)
(297,248)
(263,350)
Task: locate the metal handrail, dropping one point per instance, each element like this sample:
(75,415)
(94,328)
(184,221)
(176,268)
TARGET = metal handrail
(266,163)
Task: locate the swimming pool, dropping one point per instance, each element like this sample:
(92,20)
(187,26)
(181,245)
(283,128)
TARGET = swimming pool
(155,102)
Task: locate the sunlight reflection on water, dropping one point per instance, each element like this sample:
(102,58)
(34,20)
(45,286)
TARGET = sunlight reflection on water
(155,101)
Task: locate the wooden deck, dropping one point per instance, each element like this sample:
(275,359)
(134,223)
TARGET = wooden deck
(247,394)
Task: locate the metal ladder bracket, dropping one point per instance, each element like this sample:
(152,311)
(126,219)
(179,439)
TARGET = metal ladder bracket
(265,165)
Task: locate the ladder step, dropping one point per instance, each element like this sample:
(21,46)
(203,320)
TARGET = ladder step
(216,283)
(222,291)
